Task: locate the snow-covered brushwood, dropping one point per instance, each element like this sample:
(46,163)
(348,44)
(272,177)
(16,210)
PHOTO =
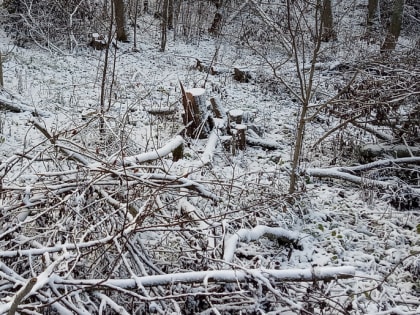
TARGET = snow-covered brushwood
(246,235)
(291,275)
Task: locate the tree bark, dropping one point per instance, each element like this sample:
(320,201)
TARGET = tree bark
(170,14)
(328,32)
(164,25)
(119,10)
(394,29)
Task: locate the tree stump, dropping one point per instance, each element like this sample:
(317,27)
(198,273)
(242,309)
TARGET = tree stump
(235,116)
(195,115)
(241,137)
(98,41)
(242,76)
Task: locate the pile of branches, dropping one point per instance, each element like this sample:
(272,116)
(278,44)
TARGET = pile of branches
(83,233)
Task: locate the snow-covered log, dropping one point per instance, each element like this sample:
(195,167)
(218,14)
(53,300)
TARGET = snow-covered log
(167,149)
(291,275)
(372,151)
(246,235)
(16,106)
(354,175)
(267,144)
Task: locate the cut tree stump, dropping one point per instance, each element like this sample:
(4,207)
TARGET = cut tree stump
(241,136)
(195,115)
(235,116)
(98,41)
(241,75)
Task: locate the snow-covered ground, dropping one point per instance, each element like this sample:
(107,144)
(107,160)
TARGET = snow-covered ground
(336,223)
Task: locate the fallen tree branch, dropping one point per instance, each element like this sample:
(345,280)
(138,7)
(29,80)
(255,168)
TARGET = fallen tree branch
(291,275)
(351,173)
(246,235)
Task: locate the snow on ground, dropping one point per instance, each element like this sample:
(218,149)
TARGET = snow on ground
(341,225)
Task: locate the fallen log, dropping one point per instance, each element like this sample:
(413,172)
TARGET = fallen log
(16,106)
(371,151)
(242,275)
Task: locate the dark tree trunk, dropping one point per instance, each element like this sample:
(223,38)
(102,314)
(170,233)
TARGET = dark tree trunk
(164,25)
(218,17)
(327,21)
(119,10)
(171,14)
(372,11)
(394,29)
(1,71)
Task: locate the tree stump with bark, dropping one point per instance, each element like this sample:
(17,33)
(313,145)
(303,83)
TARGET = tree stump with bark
(241,75)
(195,115)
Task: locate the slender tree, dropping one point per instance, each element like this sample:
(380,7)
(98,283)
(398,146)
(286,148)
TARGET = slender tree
(1,71)
(164,25)
(394,28)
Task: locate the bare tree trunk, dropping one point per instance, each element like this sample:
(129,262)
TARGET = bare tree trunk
(306,85)
(119,10)
(136,12)
(164,25)
(394,29)
(328,32)
(217,20)
(372,11)
(170,14)
(104,76)
(1,71)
